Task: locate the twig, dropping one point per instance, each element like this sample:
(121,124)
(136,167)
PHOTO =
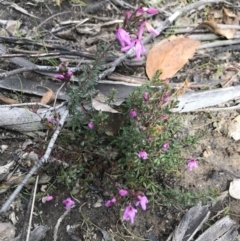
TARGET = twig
(217,51)
(209,36)
(163,26)
(59,222)
(27,104)
(37,55)
(127,79)
(95,6)
(17,71)
(31,213)
(123,4)
(54,103)
(38,164)
(53,16)
(235,107)
(26,218)
(219,43)
(59,106)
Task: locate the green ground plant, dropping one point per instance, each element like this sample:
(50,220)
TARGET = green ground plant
(145,154)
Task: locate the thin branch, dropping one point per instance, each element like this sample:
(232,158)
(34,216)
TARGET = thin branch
(234,107)
(32,208)
(26,104)
(123,4)
(59,222)
(54,103)
(38,55)
(38,164)
(26,218)
(17,71)
(51,17)
(219,43)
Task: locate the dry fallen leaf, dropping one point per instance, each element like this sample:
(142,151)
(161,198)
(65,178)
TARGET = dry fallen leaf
(8,100)
(212,26)
(170,55)
(228,13)
(13,26)
(22,10)
(48,97)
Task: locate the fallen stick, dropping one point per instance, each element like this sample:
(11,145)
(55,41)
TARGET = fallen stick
(202,99)
(37,165)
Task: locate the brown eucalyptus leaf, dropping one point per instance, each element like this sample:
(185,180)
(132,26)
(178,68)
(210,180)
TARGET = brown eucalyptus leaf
(170,55)
(48,97)
(8,100)
(228,12)
(229,17)
(212,26)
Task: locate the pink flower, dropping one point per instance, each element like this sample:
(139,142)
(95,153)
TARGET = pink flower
(49,120)
(133,113)
(49,198)
(123,192)
(142,128)
(149,139)
(152,11)
(123,37)
(65,75)
(128,15)
(142,200)
(59,76)
(141,10)
(150,29)
(109,203)
(139,48)
(165,97)
(130,213)
(143,155)
(192,164)
(68,202)
(57,120)
(68,74)
(90,125)
(165,146)
(146,96)
(63,67)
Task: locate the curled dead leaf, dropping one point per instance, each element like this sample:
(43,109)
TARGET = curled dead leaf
(48,97)
(228,13)
(8,100)
(212,26)
(170,55)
